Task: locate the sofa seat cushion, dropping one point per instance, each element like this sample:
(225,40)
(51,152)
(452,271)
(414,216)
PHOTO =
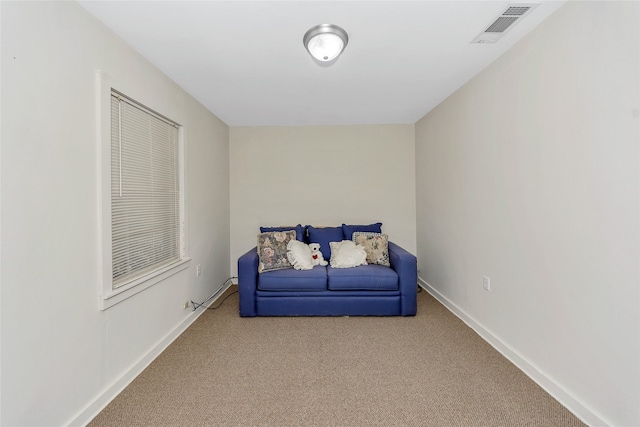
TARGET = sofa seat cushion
(364,277)
(294,280)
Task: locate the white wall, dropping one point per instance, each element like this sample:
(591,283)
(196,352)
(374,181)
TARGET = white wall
(61,356)
(529,175)
(322,176)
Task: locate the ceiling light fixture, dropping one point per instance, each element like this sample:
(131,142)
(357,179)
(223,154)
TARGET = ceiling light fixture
(325,42)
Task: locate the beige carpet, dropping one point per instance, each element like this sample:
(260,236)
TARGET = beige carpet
(428,370)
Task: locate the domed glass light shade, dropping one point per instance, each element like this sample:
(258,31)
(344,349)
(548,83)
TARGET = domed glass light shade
(325,42)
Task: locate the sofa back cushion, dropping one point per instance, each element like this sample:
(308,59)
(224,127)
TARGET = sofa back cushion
(348,230)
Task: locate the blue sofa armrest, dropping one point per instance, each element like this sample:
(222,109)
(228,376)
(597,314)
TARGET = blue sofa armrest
(406,266)
(248,282)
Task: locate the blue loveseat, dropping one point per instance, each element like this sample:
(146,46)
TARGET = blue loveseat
(366,290)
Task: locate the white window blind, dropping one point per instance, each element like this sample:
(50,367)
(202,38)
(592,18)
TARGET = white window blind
(145,191)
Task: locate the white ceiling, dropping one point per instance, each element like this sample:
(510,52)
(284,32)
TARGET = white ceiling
(244,60)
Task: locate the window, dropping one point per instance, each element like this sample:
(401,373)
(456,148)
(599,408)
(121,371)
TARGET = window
(145,191)
(145,227)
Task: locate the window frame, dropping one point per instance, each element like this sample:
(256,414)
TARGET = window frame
(108,295)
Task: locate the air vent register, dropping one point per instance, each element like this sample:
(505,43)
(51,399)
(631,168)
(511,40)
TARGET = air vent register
(504,22)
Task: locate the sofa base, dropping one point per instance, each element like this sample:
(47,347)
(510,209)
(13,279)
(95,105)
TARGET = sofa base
(329,306)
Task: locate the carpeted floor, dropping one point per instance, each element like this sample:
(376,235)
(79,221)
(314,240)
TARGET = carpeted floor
(428,370)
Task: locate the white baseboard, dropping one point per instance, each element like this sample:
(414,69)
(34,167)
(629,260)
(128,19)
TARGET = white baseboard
(581,411)
(101,402)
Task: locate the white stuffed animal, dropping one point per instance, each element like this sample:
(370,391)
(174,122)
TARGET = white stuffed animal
(316,255)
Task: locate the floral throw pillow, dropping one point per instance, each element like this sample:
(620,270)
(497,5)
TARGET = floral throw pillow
(272,250)
(376,245)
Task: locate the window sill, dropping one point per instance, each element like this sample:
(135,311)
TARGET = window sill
(120,294)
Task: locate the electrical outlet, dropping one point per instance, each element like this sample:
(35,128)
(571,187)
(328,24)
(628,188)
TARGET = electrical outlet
(186,304)
(486,283)
(198,270)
